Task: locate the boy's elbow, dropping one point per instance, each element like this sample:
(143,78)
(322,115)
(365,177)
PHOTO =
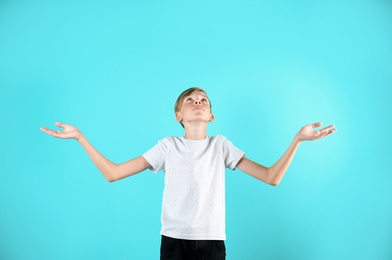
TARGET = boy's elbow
(273,178)
(111,174)
(111,177)
(273,181)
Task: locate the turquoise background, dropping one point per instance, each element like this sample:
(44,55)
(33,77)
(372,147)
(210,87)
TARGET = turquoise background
(115,69)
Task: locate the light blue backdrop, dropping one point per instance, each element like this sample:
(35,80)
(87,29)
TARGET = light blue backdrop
(115,68)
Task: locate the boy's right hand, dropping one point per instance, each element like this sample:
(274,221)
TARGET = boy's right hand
(69,131)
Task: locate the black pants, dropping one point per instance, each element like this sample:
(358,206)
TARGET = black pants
(182,249)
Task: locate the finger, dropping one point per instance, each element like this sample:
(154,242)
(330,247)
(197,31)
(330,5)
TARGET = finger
(46,130)
(318,124)
(58,134)
(328,133)
(59,124)
(54,133)
(328,128)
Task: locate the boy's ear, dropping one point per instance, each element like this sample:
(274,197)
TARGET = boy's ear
(178,117)
(212,117)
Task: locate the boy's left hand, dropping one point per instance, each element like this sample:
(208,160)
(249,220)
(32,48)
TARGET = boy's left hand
(307,133)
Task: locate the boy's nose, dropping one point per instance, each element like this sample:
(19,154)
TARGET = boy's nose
(197,101)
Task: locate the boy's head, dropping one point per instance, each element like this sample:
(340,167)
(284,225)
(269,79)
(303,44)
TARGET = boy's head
(184,95)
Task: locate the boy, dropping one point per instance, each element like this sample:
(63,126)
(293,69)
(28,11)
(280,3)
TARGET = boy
(193,203)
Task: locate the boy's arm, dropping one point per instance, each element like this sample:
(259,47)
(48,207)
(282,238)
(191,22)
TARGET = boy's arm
(110,170)
(274,174)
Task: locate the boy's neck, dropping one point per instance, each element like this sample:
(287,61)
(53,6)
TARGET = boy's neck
(195,132)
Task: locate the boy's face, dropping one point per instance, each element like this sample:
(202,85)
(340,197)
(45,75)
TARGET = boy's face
(195,108)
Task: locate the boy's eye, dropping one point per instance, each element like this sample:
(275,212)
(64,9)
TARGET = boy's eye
(190,99)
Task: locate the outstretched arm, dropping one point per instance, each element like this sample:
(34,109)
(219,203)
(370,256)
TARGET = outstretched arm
(274,174)
(110,170)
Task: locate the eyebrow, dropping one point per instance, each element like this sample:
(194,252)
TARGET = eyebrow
(200,93)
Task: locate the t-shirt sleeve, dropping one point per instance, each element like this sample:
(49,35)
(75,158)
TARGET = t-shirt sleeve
(157,154)
(232,155)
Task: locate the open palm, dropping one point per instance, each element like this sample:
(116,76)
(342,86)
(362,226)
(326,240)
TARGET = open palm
(69,131)
(308,133)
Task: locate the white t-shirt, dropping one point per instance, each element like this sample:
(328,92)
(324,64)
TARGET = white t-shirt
(193,203)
